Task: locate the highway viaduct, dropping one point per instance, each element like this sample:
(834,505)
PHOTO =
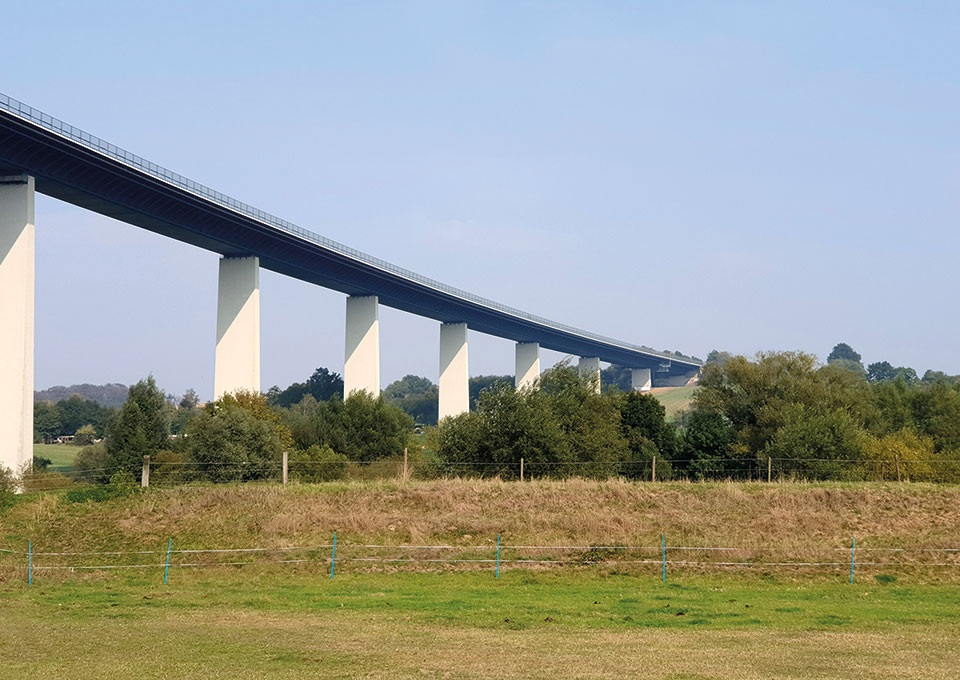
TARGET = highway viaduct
(40,153)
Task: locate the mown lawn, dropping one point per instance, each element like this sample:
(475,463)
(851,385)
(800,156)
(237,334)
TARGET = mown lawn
(61,455)
(295,622)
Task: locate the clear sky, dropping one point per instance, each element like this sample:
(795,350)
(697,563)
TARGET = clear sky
(743,176)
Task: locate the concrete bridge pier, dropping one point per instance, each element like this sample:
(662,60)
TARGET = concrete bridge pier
(454,370)
(361,365)
(237,364)
(528,364)
(640,379)
(17,262)
(590,369)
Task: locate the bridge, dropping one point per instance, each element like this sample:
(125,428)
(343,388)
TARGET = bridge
(40,153)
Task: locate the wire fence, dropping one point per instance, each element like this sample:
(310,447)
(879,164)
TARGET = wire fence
(494,555)
(178,473)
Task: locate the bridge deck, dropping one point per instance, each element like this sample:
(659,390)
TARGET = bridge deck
(81,169)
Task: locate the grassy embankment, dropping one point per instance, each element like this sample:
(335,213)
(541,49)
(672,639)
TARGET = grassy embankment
(600,621)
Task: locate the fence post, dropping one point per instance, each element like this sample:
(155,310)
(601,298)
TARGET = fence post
(285,467)
(404,463)
(663,555)
(145,473)
(498,555)
(521,469)
(853,555)
(896,459)
(166,569)
(333,557)
(769,469)
(653,470)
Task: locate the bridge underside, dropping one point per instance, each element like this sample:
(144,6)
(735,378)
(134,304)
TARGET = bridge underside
(69,172)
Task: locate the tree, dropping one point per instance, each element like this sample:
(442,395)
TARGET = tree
(481,382)
(718,357)
(190,399)
(322,385)
(46,421)
(707,446)
(77,411)
(141,427)
(843,351)
(84,436)
(881,371)
(362,428)
(643,416)
(230,443)
(408,385)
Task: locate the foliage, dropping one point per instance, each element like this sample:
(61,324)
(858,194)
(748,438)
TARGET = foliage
(417,396)
(40,463)
(46,421)
(236,438)
(92,463)
(84,436)
(317,464)
(189,400)
(362,428)
(140,429)
(562,428)
(322,385)
(479,383)
(843,352)
(707,449)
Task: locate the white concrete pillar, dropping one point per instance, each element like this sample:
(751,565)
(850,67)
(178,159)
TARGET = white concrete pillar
(528,364)
(361,364)
(590,369)
(640,379)
(238,326)
(17,261)
(454,370)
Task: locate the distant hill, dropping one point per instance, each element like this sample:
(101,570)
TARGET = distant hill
(112,394)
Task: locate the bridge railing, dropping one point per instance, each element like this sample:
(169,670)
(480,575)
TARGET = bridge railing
(116,153)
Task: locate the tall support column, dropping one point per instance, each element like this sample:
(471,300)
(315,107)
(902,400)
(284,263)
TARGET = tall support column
(640,379)
(17,260)
(454,370)
(238,326)
(528,364)
(361,365)
(590,369)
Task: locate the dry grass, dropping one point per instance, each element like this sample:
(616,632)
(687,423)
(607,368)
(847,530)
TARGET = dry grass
(767,520)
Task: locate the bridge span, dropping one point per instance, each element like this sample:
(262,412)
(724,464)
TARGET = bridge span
(40,153)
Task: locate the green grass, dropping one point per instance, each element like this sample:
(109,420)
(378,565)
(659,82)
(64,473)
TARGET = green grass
(62,455)
(294,622)
(676,399)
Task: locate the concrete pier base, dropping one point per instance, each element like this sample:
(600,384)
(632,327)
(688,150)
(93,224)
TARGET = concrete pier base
(361,364)
(454,370)
(640,379)
(237,364)
(528,364)
(590,369)
(17,272)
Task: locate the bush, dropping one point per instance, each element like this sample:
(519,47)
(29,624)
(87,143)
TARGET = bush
(92,464)
(46,481)
(95,494)
(85,436)
(166,468)
(317,464)
(230,443)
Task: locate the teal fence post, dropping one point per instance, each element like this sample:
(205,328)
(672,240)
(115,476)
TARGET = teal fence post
(166,569)
(663,555)
(333,558)
(30,563)
(498,555)
(853,555)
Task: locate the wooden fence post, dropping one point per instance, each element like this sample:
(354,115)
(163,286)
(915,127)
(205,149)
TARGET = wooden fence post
(769,469)
(653,470)
(285,467)
(145,473)
(896,459)
(405,474)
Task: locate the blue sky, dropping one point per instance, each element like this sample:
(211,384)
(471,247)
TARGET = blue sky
(742,176)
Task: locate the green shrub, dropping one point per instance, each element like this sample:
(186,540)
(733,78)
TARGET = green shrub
(317,464)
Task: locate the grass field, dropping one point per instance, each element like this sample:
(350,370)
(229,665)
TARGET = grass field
(675,399)
(378,620)
(299,624)
(61,455)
